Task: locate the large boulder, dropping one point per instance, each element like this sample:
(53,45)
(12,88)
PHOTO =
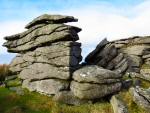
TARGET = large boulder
(93,91)
(89,79)
(38,71)
(49,86)
(95,74)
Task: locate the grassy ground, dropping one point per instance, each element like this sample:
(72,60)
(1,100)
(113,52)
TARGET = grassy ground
(131,105)
(10,102)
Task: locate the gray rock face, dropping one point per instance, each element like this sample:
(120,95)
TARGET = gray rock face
(90,57)
(135,50)
(68,97)
(115,61)
(142,40)
(89,79)
(48,61)
(48,54)
(141,97)
(109,57)
(102,55)
(40,71)
(49,86)
(95,74)
(93,91)
(118,105)
(121,67)
(51,19)
(145,74)
(40,36)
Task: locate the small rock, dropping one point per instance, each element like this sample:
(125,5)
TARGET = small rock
(118,105)
(141,97)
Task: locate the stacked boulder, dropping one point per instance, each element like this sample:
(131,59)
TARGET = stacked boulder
(90,83)
(48,62)
(125,55)
(47,53)
(137,51)
(93,82)
(107,56)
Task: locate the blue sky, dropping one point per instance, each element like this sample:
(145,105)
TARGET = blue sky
(24,9)
(98,18)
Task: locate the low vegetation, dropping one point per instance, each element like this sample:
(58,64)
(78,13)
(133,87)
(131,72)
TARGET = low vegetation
(10,102)
(4,71)
(132,106)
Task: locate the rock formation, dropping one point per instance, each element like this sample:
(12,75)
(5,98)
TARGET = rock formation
(47,53)
(108,56)
(48,62)
(141,97)
(95,79)
(123,56)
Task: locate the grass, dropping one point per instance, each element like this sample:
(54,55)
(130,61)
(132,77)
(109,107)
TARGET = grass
(13,83)
(132,106)
(4,71)
(32,102)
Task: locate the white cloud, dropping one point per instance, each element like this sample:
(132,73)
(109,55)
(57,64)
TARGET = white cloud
(111,22)
(99,22)
(7,29)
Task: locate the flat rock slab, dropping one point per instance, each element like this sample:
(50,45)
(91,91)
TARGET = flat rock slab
(142,40)
(115,61)
(59,54)
(134,60)
(46,34)
(141,97)
(90,56)
(145,74)
(102,55)
(23,34)
(135,49)
(51,19)
(48,86)
(93,91)
(118,105)
(38,71)
(95,74)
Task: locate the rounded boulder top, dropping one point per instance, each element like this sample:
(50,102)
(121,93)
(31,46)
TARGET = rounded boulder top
(51,19)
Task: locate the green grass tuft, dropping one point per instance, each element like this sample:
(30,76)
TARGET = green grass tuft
(13,83)
(32,102)
(132,106)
